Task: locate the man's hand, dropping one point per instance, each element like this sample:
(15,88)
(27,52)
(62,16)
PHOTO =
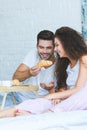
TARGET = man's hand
(23,72)
(49,87)
(35,70)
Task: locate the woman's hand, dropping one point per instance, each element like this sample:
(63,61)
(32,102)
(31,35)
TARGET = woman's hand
(56,101)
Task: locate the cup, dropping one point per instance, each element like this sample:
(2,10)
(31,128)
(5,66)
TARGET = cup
(6,83)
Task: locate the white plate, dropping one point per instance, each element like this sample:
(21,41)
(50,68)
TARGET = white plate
(6,83)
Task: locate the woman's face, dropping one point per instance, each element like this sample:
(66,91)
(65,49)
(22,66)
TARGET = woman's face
(59,48)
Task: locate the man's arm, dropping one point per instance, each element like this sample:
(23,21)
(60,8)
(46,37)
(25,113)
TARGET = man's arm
(22,72)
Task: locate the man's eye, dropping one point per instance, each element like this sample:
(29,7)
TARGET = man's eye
(49,47)
(41,47)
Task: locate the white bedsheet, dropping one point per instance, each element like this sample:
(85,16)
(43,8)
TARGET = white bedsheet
(74,120)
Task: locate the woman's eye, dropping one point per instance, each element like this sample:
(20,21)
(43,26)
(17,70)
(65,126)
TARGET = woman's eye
(56,45)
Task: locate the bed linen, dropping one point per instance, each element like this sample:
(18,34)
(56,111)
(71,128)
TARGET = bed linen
(73,120)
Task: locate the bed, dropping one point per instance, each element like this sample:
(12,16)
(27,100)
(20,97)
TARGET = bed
(74,120)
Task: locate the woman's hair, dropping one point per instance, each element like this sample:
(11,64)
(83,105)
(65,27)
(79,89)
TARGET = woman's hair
(75,47)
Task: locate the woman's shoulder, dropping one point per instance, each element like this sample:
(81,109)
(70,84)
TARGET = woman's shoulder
(83,60)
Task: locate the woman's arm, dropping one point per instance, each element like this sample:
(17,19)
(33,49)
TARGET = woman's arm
(81,81)
(62,95)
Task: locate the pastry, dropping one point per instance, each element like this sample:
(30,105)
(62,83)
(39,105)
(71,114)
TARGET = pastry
(44,63)
(16,82)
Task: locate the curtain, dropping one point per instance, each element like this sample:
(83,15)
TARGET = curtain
(84,18)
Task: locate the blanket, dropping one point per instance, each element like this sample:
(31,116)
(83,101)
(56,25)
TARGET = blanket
(73,120)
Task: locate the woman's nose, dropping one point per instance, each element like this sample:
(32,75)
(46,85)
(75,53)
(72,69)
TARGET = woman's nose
(55,49)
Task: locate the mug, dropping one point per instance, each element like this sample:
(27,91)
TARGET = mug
(7,83)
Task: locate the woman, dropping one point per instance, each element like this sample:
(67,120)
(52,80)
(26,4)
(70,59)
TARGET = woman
(71,75)
(71,68)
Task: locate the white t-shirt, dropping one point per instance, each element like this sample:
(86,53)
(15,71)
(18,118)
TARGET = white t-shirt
(45,76)
(72,75)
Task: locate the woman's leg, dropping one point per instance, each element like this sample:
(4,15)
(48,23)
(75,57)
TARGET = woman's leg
(21,113)
(8,112)
(35,106)
(12,112)
(77,101)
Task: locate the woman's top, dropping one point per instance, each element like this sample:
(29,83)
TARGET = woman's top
(72,75)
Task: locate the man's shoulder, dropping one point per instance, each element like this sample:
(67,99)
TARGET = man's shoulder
(32,51)
(31,57)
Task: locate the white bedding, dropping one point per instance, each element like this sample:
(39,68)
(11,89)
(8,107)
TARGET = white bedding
(74,120)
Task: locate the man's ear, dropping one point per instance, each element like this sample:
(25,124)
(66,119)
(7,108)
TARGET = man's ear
(36,45)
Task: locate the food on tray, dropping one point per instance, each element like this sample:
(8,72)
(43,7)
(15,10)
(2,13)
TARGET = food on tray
(44,63)
(16,82)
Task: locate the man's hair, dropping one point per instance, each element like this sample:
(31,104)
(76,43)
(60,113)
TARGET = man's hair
(45,35)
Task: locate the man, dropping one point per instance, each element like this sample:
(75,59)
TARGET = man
(29,73)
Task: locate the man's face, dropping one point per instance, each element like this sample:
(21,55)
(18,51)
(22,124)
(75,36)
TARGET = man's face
(45,49)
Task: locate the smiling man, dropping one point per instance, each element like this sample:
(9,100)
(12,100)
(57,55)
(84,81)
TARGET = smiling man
(29,73)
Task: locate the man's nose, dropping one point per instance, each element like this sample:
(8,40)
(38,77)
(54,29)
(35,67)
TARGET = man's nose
(44,50)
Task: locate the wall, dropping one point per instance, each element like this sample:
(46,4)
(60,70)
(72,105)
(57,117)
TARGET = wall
(21,20)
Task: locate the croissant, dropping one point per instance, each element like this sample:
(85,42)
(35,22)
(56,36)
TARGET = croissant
(16,82)
(44,63)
